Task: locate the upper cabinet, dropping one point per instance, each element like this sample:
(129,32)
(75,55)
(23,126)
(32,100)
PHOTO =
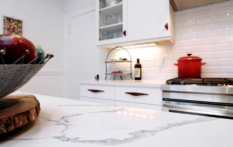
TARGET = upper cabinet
(124,22)
(111,21)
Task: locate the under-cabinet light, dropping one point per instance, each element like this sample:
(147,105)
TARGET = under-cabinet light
(142,45)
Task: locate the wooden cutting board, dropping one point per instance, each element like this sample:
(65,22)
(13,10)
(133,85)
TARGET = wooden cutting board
(17,111)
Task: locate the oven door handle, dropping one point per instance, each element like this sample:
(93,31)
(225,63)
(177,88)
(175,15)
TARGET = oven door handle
(200,108)
(198,102)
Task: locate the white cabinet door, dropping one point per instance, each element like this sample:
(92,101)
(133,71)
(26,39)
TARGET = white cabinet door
(147,19)
(97,91)
(141,95)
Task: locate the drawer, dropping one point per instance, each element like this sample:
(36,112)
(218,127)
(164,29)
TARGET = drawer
(96,100)
(97,91)
(142,95)
(137,105)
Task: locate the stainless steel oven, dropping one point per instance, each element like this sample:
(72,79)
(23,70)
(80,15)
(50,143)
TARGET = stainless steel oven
(198,107)
(199,100)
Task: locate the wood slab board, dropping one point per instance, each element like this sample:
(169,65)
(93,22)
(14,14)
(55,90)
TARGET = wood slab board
(21,110)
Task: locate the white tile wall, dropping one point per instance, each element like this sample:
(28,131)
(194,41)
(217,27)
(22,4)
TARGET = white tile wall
(204,31)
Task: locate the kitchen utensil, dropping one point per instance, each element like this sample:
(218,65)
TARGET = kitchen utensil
(108,20)
(110,36)
(118,34)
(108,3)
(119,19)
(104,21)
(114,35)
(189,66)
(114,19)
(105,36)
(119,1)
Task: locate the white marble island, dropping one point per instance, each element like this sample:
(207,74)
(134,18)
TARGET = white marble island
(72,123)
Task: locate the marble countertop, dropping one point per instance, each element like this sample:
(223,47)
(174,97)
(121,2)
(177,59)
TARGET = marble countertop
(73,123)
(139,83)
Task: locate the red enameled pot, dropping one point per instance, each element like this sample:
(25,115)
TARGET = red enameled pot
(189,67)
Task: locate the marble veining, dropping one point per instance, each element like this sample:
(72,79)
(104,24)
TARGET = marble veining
(135,135)
(65,122)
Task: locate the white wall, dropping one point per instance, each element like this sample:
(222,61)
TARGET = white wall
(43,25)
(204,31)
(72,5)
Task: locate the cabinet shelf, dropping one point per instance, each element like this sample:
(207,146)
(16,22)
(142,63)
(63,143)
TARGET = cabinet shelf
(118,73)
(117,25)
(116,9)
(117,61)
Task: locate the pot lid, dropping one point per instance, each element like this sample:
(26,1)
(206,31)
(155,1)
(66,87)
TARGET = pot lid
(190,57)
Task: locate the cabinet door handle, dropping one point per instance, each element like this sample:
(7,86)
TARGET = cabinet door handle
(136,93)
(95,91)
(166,26)
(124,32)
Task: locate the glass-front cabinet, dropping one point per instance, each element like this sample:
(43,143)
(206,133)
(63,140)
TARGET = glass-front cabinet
(111,21)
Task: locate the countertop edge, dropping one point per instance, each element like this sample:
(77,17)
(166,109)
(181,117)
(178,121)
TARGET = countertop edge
(155,84)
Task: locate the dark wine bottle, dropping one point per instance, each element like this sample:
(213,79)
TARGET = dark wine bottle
(138,71)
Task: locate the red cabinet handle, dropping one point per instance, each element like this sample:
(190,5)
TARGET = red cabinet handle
(95,91)
(136,93)
(166,26)
(124,32)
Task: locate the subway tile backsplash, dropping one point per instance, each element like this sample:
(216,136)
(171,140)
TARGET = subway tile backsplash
(204,31)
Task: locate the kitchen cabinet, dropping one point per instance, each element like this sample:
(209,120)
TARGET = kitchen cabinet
(147,20)
(110,33)
(97,91)
(138,95)
(130,96)
(143,22)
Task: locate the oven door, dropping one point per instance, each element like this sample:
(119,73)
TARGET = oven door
(198,107)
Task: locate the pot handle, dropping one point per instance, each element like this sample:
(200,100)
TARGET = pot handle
(176,64)
(203,63)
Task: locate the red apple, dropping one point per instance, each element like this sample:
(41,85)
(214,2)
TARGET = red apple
(15,47)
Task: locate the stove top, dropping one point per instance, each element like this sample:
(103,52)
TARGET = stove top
(201,81)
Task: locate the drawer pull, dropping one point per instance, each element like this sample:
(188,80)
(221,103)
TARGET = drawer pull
(136,93)
(166,26)
(95,91)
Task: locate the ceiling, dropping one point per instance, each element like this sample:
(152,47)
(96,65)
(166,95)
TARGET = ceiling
(187,4)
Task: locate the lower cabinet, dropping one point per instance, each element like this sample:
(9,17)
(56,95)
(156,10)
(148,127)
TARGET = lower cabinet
(140,95)
(137,97)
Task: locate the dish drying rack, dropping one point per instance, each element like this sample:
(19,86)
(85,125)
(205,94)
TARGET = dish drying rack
(122,61)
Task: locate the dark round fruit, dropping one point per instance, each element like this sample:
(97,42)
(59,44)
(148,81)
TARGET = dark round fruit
(15,47)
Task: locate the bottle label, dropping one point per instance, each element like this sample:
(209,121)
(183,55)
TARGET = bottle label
(137,72)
